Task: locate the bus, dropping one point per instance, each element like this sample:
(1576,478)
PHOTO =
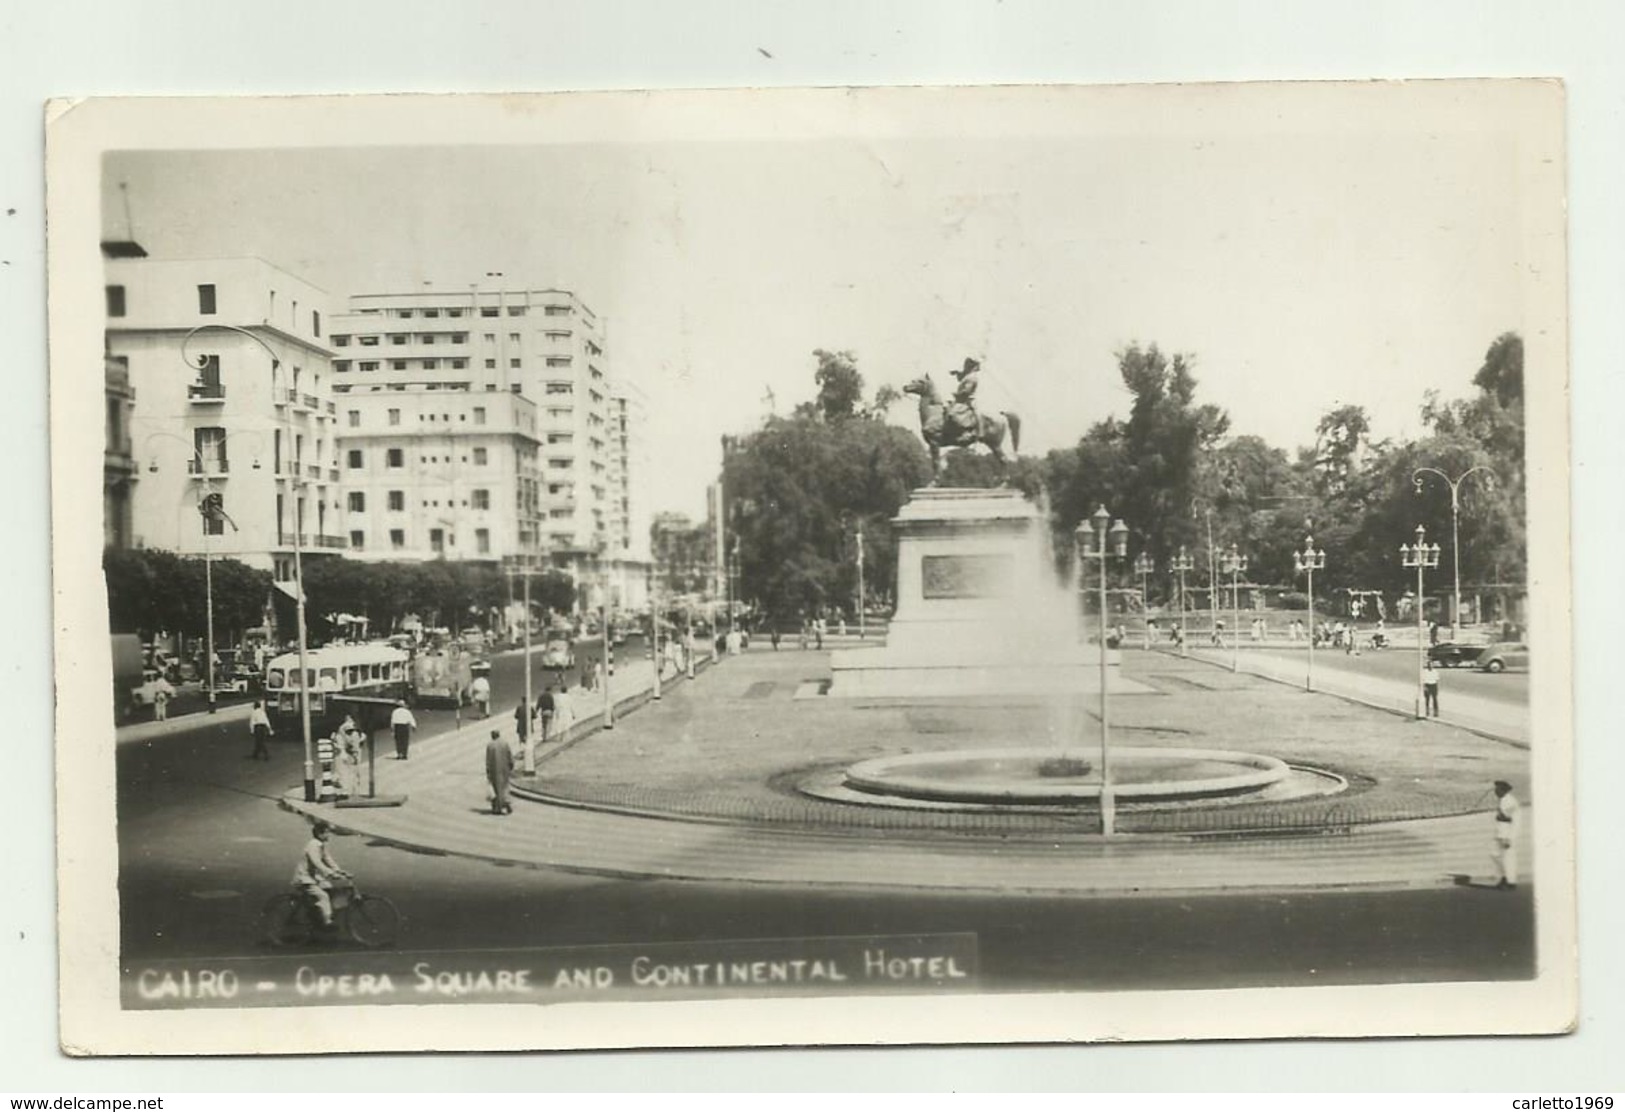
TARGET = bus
(376,670)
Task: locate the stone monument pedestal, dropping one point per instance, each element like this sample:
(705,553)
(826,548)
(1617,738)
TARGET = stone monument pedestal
(979,611)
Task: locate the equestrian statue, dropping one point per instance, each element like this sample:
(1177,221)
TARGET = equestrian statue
(957,423)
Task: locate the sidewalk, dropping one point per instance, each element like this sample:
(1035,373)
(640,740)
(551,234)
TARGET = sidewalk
(1483,716)
(144,731)
(447,811)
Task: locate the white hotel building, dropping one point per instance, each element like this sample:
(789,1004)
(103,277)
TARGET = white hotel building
(474,425)
(254,423)
(533,363)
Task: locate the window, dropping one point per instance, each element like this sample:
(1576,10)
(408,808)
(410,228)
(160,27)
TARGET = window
(488,310)
(358,539)
(513,337)
(459,337)
(352,459)
(516,310)
(315,323)
(479,457)
(397,539)
(431,364)
(397,364)
(357,502)
(427,338)
(210,446)
(558,360)
(205,300)
(437,540)
(490,365)
(479,415)
(213,510)
(431,312)
(482,500)
(515,364)
(396,458)
(560,388)
(369,365)
(454,312)
(397,501)
(368,341)
(482,540)
(355,418)
(459,364)
(341,341)
(394,416)
(115,301)
(394,338)
(557,310)
(490,337)
(404,314)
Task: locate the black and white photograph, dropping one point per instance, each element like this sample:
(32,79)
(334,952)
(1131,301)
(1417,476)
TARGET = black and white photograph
(812,566)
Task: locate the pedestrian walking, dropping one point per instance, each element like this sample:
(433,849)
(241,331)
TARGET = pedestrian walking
(499,772)
(259,728)
(522,714)
(402,723)
(352,749)
(479,693)
(563,713)
(162,693)
(1430,690)
(545,710)
(1506,836)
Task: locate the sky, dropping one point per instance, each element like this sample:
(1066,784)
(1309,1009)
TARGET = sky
(1359,258)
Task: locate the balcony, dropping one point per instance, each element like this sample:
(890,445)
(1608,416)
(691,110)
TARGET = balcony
(311,401)
(313,471)
(213,467)
(332,474)
(283,396)
(288,540)
(324,540)
(332,409)
(206,392)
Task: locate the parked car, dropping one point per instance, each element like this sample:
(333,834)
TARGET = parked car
(142,696)
(558,655)
(1504,656)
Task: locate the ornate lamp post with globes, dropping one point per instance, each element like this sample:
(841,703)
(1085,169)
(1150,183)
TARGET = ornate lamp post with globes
(1235,563)
(1107,543)
(1182,564)
(1144,565)
(1307,562)
(1420,556)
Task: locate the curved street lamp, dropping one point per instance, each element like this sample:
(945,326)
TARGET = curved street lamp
(1108,543)
(208,510)
(1420,556)
(1307,562)
(297,482)
(1455,536)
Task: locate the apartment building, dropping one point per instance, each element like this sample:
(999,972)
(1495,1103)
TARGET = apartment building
(227,371)
(439,473)
(119,474)
(544,346)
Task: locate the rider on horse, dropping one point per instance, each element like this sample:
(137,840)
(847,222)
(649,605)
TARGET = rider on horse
(961,413)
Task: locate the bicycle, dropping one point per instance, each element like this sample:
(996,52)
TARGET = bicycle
(290,920)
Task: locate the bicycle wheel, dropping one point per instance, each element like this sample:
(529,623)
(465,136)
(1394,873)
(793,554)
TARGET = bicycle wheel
(373,921)
(284,921)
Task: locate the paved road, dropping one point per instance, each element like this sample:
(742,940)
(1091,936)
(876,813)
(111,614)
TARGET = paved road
(1400,664)
(203,843)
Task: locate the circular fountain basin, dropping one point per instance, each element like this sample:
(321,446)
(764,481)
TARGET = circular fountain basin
(1013,775)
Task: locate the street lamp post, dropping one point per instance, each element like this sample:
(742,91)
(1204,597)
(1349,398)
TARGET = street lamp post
(522,566)
(1144,565)
(1182,564)
(1108,543)
(1307,563)
(862,600)
(297,483)
(1420,556)
(209,510)
(1235,563)
(1455,536)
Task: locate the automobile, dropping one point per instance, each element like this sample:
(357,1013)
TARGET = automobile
(242,678)
(1504,656)
(1450,654)
(142,696)
(558,655)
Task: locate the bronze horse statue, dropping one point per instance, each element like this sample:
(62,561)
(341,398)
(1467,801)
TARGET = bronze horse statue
(957,425)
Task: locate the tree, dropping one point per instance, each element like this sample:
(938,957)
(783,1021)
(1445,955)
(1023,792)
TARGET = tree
(840,386)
